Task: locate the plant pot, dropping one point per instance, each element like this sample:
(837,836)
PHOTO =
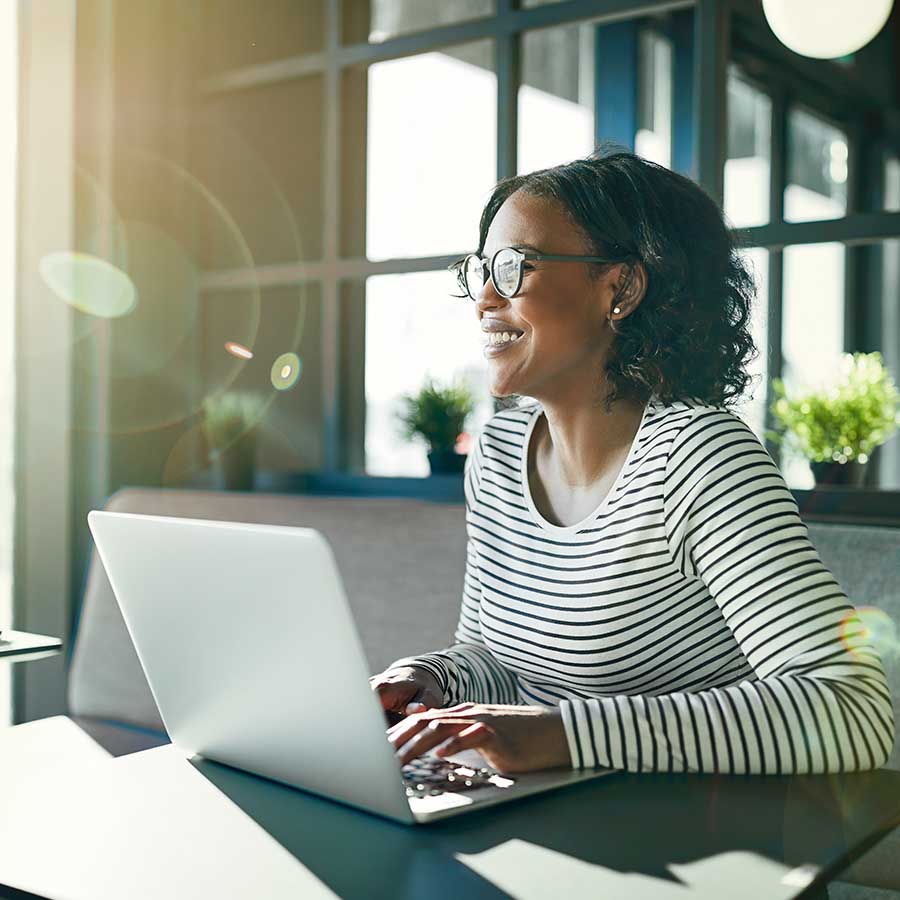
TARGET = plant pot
(236,464)
(446,462)
(851,474)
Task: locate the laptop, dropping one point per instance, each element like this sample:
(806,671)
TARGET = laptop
(252,655)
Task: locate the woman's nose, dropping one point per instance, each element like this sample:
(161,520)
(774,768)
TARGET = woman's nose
(488,298)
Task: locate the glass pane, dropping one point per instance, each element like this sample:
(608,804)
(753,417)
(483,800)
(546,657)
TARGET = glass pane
(588,82)
(264,344)
(8,110)
(748,164)
(753,406)
(653,139)
(415,329)
(556,97)
(257,155)
(889,466)
(426,167)
(378,20)
(232,34)
(817,169)
(812,328)
(892,184)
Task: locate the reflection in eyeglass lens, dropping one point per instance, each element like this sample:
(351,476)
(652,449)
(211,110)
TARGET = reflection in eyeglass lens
(474,275)
(505,268)
(506,272)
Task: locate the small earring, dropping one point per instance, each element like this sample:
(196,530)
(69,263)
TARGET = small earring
(616,309)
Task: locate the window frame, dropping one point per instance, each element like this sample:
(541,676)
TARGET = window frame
(710,55)
(504,28)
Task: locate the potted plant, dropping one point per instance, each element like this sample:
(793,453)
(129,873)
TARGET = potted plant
(229,424)
(438,415)
(836,427)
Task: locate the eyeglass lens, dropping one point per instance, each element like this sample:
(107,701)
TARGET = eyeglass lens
(506,273)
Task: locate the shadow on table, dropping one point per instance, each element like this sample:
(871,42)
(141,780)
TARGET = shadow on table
(659,831)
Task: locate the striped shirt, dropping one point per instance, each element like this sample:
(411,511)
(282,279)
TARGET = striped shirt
(687,624)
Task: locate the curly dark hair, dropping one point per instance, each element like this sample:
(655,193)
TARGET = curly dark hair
(689,337)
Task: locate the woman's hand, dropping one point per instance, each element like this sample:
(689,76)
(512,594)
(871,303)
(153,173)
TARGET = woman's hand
(406,689)
(510,738)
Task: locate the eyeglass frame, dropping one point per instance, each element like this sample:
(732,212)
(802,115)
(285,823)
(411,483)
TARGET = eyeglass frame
(522,255)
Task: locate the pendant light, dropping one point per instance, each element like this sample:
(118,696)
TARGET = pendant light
(825,29)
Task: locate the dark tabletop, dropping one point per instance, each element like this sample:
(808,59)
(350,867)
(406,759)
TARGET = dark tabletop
(85,829)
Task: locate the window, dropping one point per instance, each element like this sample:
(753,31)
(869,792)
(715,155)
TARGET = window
(380,20)
(431,151)
(590,82)
(748,163)
(259,165)
(237,34)
(556,97)
(8,106)
(814,148)
(415,329)
(817,169)
(653,139)
(354,158)
(812,327)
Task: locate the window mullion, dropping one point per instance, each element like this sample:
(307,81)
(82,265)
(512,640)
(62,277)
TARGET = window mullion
(330,313)
(777,183)
(508,78)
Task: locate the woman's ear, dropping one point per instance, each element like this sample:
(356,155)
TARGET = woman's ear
(630,288)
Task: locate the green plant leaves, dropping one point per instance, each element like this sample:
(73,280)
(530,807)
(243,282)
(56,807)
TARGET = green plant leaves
(229,415)
(437,414)
(844,421)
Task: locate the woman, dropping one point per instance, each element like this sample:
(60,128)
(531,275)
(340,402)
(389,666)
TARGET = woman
(640,592)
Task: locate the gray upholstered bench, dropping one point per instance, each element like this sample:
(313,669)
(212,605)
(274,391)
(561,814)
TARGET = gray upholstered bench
(402,564)
(401,561)
(866,563)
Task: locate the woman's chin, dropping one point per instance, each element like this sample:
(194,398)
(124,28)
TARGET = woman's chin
(506,377)
(501,390)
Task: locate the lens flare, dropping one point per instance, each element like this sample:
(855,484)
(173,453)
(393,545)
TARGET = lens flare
(868,627)
(286,371)
(238,350)
(89,284)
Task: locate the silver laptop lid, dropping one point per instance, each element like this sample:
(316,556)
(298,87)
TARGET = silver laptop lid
(251,652)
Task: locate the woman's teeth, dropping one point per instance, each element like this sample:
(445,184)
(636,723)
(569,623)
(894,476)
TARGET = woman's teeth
(501,337)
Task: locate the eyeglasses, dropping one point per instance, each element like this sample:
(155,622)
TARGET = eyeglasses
(505,270)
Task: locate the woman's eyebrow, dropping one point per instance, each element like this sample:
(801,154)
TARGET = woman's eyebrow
(519,246)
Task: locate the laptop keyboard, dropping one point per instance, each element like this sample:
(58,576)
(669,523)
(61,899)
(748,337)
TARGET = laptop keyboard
(430,776)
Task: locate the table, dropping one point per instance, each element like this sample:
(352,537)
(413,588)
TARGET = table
(19,646)
(155,824)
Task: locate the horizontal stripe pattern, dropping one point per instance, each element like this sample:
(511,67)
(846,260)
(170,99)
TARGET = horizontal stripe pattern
(688,624)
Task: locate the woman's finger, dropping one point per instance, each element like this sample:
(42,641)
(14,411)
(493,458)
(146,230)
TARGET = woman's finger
(401,732)
(393,696)
(405,731)
(436,732)
(461,709)
(458,708)
(474,737)
(413,723)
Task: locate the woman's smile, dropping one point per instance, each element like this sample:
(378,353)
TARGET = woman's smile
(496,342)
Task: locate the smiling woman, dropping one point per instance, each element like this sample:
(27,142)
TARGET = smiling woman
(640,592)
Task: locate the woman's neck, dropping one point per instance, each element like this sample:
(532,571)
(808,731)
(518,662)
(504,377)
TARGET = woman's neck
(577,441)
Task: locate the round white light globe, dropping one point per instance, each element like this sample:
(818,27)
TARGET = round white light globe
(825,29)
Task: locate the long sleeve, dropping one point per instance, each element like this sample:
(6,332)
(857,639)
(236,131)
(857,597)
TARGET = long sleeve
(468,671)
(819,700)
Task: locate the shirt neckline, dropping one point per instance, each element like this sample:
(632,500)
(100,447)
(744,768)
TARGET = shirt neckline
(526,486)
